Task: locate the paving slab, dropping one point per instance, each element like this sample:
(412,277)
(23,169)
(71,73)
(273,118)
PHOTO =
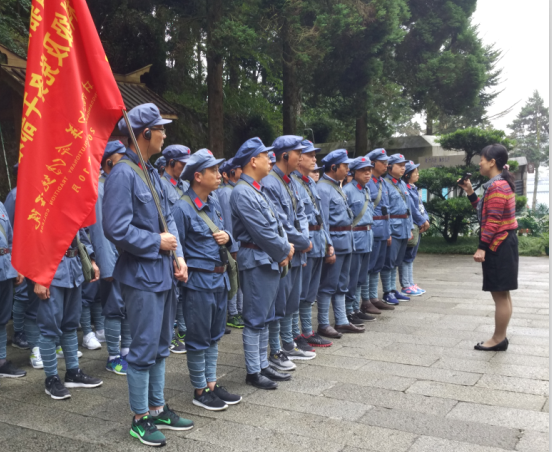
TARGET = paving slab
(500,416)
(411,383)
(432,444)
(443,427)
(478,395)
(534,442)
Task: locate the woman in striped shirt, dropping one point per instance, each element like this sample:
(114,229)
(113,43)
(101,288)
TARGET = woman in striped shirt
(498,244)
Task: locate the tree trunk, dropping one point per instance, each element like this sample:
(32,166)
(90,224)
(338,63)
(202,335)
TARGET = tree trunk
(429,122)
(535,188)
(233,72)
(361,135)
(199,62)
(290,86)
(214,81)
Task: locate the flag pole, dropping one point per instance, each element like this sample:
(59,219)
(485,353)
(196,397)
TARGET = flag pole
(149,183)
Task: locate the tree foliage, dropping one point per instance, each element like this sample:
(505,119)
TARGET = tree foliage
(472,141)
(531,133)
(342,70)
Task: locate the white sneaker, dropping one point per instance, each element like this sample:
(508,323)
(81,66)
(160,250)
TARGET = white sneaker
(91,342)
(100,335)
(36,359)
(60,355)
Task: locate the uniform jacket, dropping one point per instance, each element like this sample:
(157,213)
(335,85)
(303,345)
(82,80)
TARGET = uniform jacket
(284,208)
(400,227)
(10,204)
(321,238)
(6,269)
(223,195)
(131,222)
(69,271)
(175,188)
(199,246)
(336,212)
(106,252)
(356,198)
(419,214)
(380,228)
(255,220)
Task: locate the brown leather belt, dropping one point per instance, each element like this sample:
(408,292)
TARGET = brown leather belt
(314,227)
(4,251)
(203,270)
(399,216)
(72,252)
(362,228)
(340,228)
(165,252)
(380,217)
(250,245)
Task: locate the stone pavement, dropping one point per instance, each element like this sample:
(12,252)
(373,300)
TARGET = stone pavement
(412,383)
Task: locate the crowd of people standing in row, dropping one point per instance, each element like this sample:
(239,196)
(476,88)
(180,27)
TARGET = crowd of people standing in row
(296,240)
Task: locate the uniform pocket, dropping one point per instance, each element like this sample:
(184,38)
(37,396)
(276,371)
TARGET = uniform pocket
(144,196)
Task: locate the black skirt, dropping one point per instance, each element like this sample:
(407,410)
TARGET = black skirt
(500,269)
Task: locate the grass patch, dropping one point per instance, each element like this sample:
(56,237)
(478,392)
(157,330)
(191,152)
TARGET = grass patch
(528,246)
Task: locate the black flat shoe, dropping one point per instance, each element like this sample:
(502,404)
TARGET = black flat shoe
(274,375)
(502,347)
(260,381)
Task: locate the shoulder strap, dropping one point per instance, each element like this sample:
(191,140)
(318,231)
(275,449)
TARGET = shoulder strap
(102,180)
(307,189)
(400,192)
(336,187)
(212,226)
(241,181)
(380,193)
(3,231)
(286,186)
(136,169)
(363,211)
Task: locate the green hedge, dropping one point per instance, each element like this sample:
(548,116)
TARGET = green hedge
(528,246)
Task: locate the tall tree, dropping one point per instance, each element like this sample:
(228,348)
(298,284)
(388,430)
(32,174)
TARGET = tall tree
(531,132)
(440,62)
(215,91)
(359,35)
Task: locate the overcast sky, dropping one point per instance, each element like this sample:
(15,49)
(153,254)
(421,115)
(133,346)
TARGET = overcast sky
(521,30)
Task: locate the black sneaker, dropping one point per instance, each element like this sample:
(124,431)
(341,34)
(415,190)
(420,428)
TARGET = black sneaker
(318,341)
(55,388)
(78,379)
(20,341)
(364,317)
(8,370)
(302,344)
(355,320)
(209,401)
(177,345)
(225,396)
(145,430)
(274,375)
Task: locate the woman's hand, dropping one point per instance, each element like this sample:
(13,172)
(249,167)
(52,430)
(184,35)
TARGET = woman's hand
(466,185)
(479,256)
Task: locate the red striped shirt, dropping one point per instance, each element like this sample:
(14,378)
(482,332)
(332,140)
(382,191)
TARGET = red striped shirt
(498,215)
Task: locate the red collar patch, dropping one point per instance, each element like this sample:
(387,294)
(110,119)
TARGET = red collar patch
(395,180)
(359,186)
(286,179)
(173,182)
(256,185)
(375,180)
(305,179)
(198,203)
(408,185)
(140,165)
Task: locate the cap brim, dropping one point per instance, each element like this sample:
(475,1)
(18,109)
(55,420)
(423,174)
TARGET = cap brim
(348,161)
(161,121)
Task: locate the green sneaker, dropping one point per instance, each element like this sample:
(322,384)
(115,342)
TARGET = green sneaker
(145,430)
(169,420)
(235,321)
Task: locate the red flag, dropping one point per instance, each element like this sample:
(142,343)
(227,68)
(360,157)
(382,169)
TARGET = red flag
(70,107)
